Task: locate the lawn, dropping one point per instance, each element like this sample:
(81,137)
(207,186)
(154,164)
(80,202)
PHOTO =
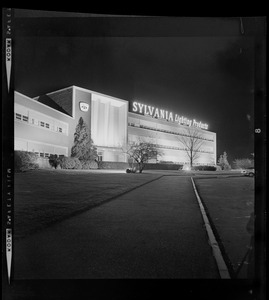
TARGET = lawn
(43,197)
(229,202)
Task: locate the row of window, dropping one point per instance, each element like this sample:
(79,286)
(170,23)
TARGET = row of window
(42,154)
(178,148)
(166,131)
(183,163)
(46,154)
(38,123)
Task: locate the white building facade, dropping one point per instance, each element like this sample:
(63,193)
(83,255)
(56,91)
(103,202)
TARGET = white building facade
(46,125)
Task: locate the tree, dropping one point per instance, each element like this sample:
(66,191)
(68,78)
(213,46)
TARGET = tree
(54,161)
(191,140)
(83,148)
(141,152)
(223,161)
(243,163)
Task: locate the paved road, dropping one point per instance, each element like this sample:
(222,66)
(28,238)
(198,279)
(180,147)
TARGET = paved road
(155,231)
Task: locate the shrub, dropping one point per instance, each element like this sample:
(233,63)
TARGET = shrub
(113,165)
(100,164)
(70,163)
(223,162)
(227,167)
(24,161)
(218,168)
(131,170)
(243,163)
(204,168)
(89,164)
(54,161)
(78,165)
(163,166)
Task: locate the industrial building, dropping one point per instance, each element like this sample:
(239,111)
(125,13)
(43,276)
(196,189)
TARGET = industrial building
(46,125)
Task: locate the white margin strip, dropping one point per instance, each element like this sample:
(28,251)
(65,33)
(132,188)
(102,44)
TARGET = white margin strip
(9,251)
(8,60)
(222,267)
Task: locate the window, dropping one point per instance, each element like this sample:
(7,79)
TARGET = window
(22,117)
(42,124)
(100,156)
(47,125)
(37,153)
(25,118)
(60,129)
(47,154)
(18,116)
(41,154)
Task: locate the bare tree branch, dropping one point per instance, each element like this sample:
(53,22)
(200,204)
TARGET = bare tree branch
(192,142)
(141,151)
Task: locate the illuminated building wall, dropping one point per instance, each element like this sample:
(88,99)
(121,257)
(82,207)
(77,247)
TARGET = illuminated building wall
(166,136)
(109,126)
(46,125)
(39,128)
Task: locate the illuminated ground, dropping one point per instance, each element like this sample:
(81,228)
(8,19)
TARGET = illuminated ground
(44,198)
(155,231)
(229,203)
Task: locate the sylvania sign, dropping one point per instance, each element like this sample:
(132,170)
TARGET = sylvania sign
(155,112)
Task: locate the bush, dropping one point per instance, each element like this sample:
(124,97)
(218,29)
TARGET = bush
(227,167)
(54,161)
(163,166)
(131,170)
(70,163)
(204,168)
(113,165)
(218,168)
(89,164)
(166,162)
(24,161)
(243,163)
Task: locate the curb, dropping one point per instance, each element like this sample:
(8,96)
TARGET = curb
(222,267)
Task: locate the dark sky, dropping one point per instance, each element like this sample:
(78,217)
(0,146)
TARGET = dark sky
(209,78)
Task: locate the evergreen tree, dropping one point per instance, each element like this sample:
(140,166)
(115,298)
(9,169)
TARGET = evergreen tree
(83,148)
(220,161)
(223,161)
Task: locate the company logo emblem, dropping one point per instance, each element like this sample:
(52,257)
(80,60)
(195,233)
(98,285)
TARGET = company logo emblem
(83,106)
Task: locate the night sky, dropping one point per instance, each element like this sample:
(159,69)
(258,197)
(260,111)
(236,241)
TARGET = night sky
(208,78)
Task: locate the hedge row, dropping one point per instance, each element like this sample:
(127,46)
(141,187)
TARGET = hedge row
(71,163)
(28,161)
(24,161)
(163,166)
(204,168)
(75,163)
(113,165)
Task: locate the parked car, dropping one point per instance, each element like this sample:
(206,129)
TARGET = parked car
(248,172)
